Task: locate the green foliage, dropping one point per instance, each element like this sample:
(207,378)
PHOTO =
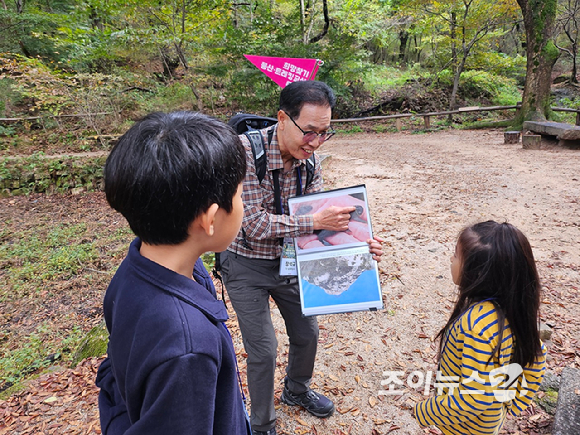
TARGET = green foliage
(500,90)
(35,82)
(208,260)
(37,352)
(33,33)
(499,64)
(39,258)
(37,173)
(352,130)
(190,54)
(548,401)
(7,131)
(379,78)
(8,97)
(570,103)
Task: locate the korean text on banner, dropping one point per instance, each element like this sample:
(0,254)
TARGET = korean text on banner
(285,70)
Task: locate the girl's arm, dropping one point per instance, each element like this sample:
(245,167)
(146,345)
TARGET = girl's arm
(525,393)
(471,393)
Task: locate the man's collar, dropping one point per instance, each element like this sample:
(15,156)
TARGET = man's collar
(275,160)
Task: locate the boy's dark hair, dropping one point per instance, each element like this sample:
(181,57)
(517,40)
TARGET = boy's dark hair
(498,265)
(168,169)
(297,94)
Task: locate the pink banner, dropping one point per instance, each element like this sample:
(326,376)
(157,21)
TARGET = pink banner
(284,70)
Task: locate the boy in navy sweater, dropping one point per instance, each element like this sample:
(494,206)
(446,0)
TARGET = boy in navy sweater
(171,366)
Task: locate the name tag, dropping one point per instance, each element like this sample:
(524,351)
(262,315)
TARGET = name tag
(288,258)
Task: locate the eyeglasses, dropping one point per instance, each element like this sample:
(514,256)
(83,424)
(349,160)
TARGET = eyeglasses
(309,136)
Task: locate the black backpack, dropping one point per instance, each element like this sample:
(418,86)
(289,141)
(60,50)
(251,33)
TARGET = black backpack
(249,124)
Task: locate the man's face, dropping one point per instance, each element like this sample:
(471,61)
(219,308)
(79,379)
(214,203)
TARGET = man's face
(311,118)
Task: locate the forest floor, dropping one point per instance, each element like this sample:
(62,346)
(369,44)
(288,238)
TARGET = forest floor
(422,190)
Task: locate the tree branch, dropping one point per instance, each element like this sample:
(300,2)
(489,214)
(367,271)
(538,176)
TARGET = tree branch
(326,23)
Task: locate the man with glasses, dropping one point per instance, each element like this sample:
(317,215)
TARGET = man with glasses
(251,265)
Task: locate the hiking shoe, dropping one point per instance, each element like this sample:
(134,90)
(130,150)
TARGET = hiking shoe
(267,432)
(313,402)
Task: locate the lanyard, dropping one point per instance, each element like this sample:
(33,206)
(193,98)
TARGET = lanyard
(277,194)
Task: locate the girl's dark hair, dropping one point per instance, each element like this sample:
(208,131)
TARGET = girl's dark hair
(498,265)
(168,168)
(294,96)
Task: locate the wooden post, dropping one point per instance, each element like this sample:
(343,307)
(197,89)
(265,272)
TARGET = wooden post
(427,121)
(510,137)
(578,118)
(531,141)
(398,124)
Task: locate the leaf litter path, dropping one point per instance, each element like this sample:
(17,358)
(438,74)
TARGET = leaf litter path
(422,190)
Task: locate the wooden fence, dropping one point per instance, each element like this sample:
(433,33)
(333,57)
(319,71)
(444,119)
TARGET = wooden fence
(427,116)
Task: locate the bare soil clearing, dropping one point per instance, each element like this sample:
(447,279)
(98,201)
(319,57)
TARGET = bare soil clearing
(422,190)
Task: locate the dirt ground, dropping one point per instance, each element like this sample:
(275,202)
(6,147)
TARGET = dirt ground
(423,189)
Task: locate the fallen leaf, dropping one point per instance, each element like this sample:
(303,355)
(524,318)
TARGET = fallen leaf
(379,421)
(343,410)
(302,422)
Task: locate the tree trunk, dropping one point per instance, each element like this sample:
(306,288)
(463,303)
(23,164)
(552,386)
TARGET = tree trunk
(303,22)
(404,39)
(455,89)
(452,34)
(539,18)
(574,78)
(326,23)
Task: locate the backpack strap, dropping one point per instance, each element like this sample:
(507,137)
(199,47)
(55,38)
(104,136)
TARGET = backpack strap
(310,165)
(259,150)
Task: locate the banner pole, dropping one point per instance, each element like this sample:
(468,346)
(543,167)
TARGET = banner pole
(317,64)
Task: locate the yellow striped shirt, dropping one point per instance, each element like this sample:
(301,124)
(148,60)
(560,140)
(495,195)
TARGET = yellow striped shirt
(471,406)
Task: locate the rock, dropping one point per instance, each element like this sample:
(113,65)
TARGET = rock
(545,332)
(551,381)
(567,419)
(93,345)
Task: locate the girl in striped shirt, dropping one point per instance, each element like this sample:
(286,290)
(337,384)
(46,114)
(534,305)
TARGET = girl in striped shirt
(491,359)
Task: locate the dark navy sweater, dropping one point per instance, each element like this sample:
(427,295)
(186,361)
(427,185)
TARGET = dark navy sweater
(171,365)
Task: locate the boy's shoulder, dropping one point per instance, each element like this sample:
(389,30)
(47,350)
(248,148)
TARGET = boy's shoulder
(162,308)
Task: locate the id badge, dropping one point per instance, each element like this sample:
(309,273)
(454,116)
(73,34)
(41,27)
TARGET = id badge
(288,258)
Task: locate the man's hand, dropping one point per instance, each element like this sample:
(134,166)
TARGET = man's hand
(376,248)
(333,218)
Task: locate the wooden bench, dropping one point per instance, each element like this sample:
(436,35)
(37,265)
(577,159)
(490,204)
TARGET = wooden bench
(567,134)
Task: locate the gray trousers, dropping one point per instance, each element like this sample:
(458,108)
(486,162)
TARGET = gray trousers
(249,283)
